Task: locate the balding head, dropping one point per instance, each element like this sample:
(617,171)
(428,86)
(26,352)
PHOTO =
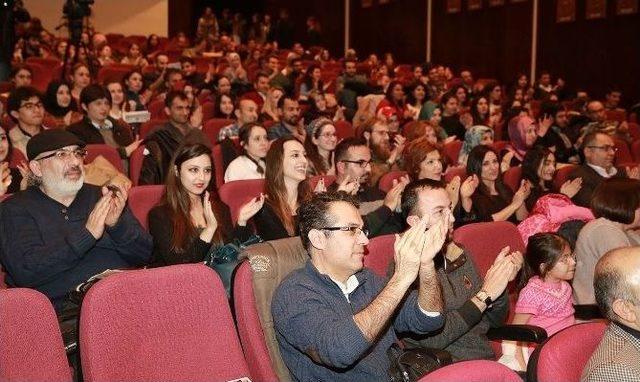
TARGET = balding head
(617,285)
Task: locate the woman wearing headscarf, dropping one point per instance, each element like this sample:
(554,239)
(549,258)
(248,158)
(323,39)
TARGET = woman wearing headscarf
(59,105)
(523,136)
(476,135)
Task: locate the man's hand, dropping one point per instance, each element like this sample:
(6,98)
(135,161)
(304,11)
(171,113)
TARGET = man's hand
(434,239)
(571,187)
(633,172)
(133,146)
(408,251)
(498,276)
(96,221)
(544,124)
(118,194)
(349,186)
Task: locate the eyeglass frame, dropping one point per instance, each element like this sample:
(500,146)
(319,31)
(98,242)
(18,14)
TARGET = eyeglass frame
(362,163)
(351,228)
(79,153)
(605,148)
(31,105)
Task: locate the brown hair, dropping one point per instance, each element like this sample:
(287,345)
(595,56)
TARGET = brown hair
(415,153)
(617,199)
(177,198)
(275,188)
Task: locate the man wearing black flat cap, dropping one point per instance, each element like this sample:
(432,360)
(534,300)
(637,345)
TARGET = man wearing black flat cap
(58,233)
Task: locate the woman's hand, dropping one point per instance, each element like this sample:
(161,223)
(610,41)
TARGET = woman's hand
(209,216)
(571,187)
(133,146)
(249,210)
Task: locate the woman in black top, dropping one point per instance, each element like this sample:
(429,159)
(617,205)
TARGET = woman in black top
(450,121)
(493,200)
(285,189)
(538,168)
(187,222)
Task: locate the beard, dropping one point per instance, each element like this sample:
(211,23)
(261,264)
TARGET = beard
(381,151)
(64,186)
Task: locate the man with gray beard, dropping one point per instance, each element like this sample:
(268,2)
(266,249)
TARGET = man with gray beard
(58,233)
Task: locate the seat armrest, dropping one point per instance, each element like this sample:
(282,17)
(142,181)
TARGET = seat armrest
(587,312)
(523,333)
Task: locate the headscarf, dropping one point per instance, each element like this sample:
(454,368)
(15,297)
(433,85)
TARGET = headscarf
(517,132)
(51,99)
(472,138)
(426,112)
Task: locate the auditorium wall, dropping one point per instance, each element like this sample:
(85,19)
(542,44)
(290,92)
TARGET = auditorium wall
(139,17)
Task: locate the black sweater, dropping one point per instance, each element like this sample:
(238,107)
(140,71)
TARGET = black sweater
(45,245)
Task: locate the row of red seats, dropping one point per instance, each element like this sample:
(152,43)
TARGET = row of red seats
(151,325)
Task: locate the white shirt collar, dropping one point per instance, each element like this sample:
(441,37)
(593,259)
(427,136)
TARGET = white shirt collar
(351,285)
(108,125)
(602,172)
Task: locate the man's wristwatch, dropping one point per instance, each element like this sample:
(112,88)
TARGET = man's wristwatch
(484,297)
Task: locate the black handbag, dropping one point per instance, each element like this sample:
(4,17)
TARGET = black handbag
(224,259)
(409,365)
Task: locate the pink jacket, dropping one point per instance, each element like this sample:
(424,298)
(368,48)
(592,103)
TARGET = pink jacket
(549,213)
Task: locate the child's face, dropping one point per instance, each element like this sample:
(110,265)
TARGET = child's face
(565,268)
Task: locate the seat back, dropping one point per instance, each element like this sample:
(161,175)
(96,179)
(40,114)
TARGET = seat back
(135,164)
(109,153)
(452,172)
(473,371)
(218,164)
(386,181)
(156,109)
(512,178)
(150,126)
(212,128)
(142,199)
(253,287)
(451,151)
(31,347)
(635,149)
(208,110)
(344,130)
(624,153)
(499,145)
(162,324)
(483,241)
(237,193)
(563,356)
(42,75)
(379,254)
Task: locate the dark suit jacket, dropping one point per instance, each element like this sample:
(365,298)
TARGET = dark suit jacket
(90,135)
(590,180)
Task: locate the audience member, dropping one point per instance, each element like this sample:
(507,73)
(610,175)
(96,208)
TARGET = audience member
(245,112)
(68,230)
(599,153)
(135,91)
(475,135)
(10,178)
(342,334)
(290,122)
(225,107)
(80,79)
(21,75)
(320,144)
(616,206)
(190,73)
(251,163)
(471,305)
(162,143)
(59,106)
(97,127)
(539,168)
(492,199)
(188,223)
(386,155)
(617,293)
(270,108)
(545,294)
(134,56)
(285,188)
(27,111)
(450,121)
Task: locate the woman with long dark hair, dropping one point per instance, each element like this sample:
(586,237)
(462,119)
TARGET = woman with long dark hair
(450,121)
(493,200)
(10,178)
(188,222)
(416,97)
(395,99)
(134,89)
(312,80)
(285,189)
(539,167)
(319,144)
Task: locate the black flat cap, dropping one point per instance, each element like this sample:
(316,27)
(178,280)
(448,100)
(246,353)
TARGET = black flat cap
(50,140)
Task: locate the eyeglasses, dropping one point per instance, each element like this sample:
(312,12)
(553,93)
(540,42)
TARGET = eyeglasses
(362,163)
(604,148)
(31,106)
(355,230)
(66,154)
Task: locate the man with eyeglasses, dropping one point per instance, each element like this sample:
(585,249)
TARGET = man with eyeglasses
(334,319)
(58,233)
(471,305)
(599,153)
(27,111)
(352,158)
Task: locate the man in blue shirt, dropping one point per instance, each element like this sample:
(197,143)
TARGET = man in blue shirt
(334,319)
